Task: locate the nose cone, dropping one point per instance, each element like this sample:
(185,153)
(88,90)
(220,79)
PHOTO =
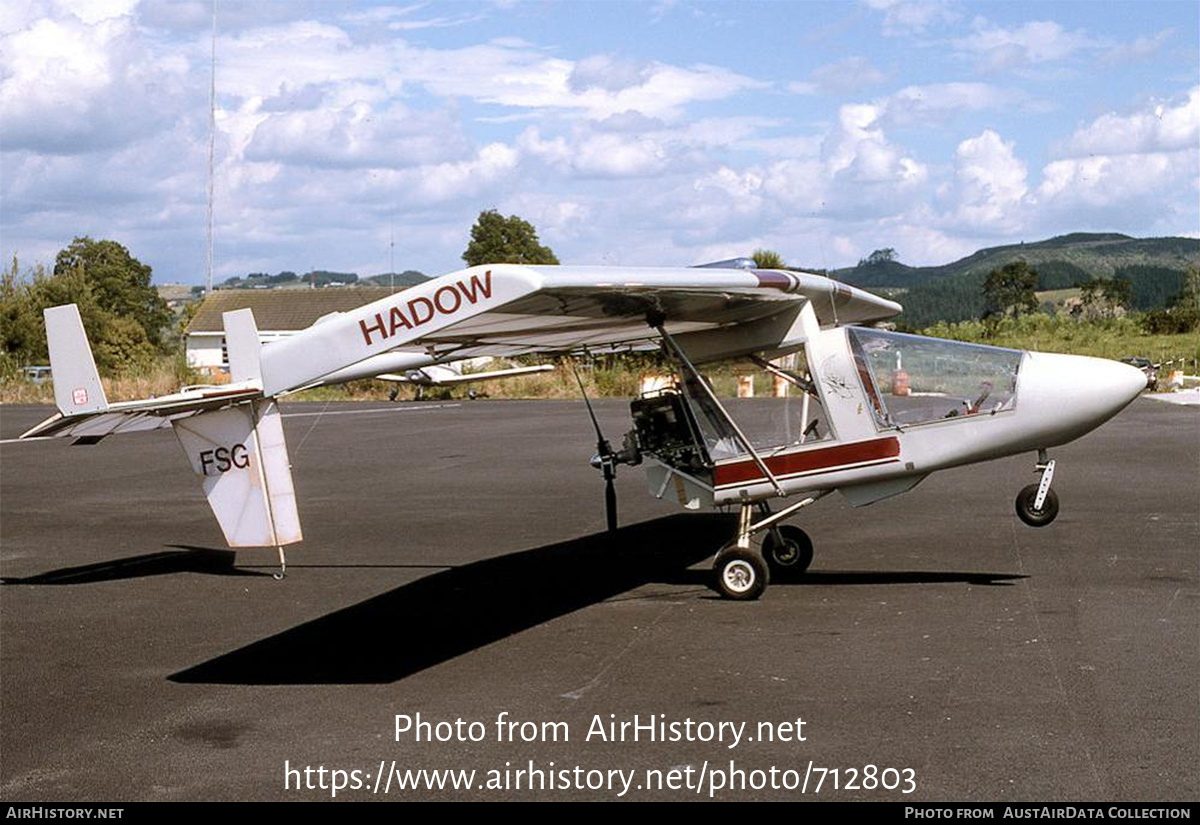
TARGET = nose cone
(1074,394)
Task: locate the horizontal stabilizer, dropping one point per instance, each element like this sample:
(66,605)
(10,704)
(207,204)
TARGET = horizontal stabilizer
(144,414)
(77,387)
(241,456)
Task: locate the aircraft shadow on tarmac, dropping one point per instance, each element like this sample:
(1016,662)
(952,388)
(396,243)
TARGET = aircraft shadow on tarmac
(460,609)
(184,559)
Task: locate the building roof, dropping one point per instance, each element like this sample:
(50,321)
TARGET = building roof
(282,310)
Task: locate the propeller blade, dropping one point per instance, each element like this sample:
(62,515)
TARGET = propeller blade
(610,501)
(603,459)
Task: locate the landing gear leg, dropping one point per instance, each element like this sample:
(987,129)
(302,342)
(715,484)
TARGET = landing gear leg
(1037,504)
(282,566)
(740,572)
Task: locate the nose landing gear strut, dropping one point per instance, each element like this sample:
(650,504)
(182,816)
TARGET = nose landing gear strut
(1037,504)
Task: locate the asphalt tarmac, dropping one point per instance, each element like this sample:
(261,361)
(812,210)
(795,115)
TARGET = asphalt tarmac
(455,566)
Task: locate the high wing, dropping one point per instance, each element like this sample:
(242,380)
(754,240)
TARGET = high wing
(507,309)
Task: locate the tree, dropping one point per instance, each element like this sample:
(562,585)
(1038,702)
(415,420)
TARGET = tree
(1119,293)
(111,290)
(21,334)
(119,282)
(768,259)
(499,240)
(1182,313)
(878,257)
(1104,297)
(1010,289)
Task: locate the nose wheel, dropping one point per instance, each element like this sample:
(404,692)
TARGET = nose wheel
(1037,504)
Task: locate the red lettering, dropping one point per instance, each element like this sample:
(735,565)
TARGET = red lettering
(477,287)
(417,320)
(377,327)
(398,320)
(453,293)
(446,300)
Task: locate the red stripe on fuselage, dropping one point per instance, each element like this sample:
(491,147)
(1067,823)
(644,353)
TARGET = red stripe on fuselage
(746,471)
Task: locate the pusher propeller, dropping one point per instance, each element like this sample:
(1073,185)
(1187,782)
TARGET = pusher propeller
(606,458)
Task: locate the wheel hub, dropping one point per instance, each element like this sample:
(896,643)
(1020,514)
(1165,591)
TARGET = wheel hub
(739,576)
(786,553)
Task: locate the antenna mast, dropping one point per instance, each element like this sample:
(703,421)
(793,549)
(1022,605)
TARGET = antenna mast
(212,134)
(392,249)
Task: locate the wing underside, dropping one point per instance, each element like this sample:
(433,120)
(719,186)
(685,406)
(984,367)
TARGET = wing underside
(506,310)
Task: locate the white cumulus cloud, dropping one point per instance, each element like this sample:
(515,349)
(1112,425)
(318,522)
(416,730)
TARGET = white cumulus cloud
(69,87)
(1039,41)
(1158,127)
(359,136)
(992,184)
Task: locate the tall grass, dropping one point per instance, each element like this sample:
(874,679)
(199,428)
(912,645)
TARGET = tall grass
(166,375)
(1109,338)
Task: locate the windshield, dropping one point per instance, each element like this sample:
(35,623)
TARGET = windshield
(911,379)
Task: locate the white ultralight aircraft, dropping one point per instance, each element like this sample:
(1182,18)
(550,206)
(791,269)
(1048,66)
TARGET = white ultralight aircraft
(881,410)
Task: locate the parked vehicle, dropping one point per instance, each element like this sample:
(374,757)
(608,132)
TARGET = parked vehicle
(1145,365)
(37,375)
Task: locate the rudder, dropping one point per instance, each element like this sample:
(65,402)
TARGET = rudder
(241,456)
(77,387)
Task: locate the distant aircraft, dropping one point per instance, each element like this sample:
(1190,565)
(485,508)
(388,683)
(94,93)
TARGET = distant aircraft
(881,409)
(452,375)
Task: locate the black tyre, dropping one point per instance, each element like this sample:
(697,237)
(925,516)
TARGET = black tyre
(789,557)
(740,574)
(1036,517)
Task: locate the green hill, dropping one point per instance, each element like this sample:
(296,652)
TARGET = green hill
(954,292)
(409,277)
(321,278)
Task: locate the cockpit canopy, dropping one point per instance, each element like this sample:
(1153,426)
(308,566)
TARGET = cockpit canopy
(913,380)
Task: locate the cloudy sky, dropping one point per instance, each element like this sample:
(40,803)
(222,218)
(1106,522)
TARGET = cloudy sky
(651,133)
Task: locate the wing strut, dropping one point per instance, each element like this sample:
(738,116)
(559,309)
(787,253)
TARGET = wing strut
(712,396)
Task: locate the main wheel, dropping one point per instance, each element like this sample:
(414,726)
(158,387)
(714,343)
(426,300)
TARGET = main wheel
(1036,517)
(740,574)
(792,555)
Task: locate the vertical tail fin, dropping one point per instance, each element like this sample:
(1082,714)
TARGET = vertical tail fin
(77,387)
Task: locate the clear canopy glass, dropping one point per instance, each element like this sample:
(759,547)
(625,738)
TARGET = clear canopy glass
(911,379)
